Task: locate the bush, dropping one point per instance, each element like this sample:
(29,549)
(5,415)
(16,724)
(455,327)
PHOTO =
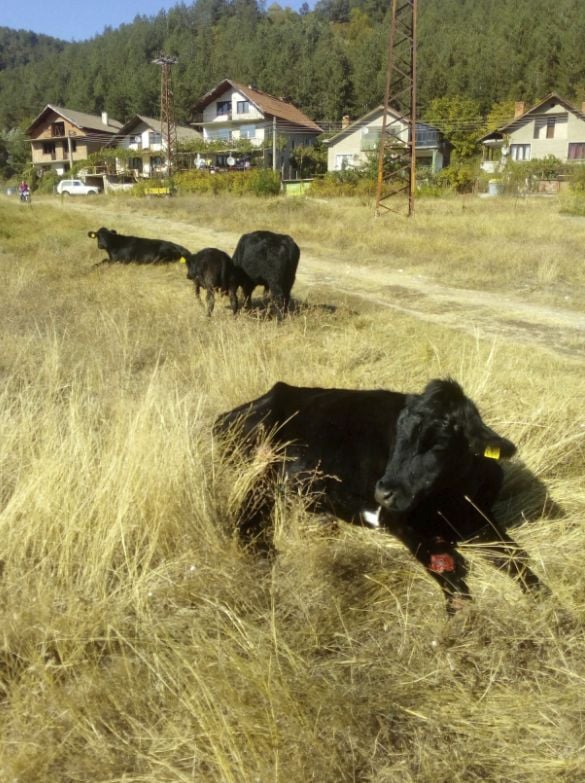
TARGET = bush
(460,176)
(577,182)
(47,183)
(260,182)
(349,182)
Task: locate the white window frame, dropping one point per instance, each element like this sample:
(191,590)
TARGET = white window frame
(520,152)
(342,158)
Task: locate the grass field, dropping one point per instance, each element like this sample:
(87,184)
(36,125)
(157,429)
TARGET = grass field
(141,644)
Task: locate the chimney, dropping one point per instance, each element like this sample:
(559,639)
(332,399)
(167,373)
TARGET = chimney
(519,109)
(104,118)
(345,121)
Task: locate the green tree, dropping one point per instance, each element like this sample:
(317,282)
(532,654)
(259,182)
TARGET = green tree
(460,121)
(14,152)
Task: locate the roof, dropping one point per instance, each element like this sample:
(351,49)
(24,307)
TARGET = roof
(184,132)
(366,118)
(517,121)
(360,122)
(263,101)
(82,120)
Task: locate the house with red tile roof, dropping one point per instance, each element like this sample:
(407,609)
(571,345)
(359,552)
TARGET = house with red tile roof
(241,121)
(61,137)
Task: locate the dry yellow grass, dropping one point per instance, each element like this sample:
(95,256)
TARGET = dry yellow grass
(141,644)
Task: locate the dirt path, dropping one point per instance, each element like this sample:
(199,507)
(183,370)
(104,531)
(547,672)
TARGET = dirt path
(494,314)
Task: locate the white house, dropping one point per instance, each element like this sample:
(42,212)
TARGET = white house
(232,113)
(142,136)
(357,141)
(551,127)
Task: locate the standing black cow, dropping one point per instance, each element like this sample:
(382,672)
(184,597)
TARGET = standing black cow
(427,460)
(127,249)
(213,270)
(270,260)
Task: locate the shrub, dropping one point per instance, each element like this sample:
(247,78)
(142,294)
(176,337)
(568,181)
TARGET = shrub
(577,181)
(47,183)
(260,182)
(460,176)
(349,182)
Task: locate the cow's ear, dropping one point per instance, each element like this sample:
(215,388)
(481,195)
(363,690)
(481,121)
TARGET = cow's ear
(91,234)
(491,445)
(113,231)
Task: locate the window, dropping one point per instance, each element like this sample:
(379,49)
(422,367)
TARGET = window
(243,107)
(343,161)
(154,138)
(426,137)
(49,148)
(370,138)
(247,132)
(58,129)
(577,151)
(551,126)
(520,151)
(224,108)
(219,134)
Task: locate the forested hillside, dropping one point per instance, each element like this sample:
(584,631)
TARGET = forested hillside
(329,61)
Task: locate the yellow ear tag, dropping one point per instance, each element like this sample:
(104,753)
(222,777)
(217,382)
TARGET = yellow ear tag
(492,452)
(182,260)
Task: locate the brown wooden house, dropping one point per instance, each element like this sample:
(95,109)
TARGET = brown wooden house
(60,137)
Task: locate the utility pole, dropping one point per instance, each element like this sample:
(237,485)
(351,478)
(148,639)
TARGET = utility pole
(168,126)
(397,147)
(70,150)
(274,144)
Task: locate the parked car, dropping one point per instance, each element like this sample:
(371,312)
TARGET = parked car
(75,187)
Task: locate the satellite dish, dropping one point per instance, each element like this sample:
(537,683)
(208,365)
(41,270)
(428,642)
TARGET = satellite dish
(231,161)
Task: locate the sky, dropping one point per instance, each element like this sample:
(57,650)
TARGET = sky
(79,21)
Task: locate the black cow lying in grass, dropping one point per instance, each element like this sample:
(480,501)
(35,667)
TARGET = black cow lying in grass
(270,260)
(427,460)
(212,269)
(127,249)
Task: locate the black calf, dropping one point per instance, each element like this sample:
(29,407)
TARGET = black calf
(427,460)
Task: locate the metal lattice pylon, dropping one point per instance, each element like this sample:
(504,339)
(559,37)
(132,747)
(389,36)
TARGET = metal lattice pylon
(397,147)
(168,126)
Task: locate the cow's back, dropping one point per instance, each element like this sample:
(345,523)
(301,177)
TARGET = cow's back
(268,257)
(344,435)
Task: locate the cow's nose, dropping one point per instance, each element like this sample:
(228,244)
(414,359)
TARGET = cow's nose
(385,496)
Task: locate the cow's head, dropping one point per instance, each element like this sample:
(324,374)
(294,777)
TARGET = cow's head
(101,235)
(438,434)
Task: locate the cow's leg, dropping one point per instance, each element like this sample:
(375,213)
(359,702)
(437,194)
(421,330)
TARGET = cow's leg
(233,300)
(210,299)
(443,561)
(448,568)
(197,286)
(279,302)
(254,521)
(508,556)
(247,289)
